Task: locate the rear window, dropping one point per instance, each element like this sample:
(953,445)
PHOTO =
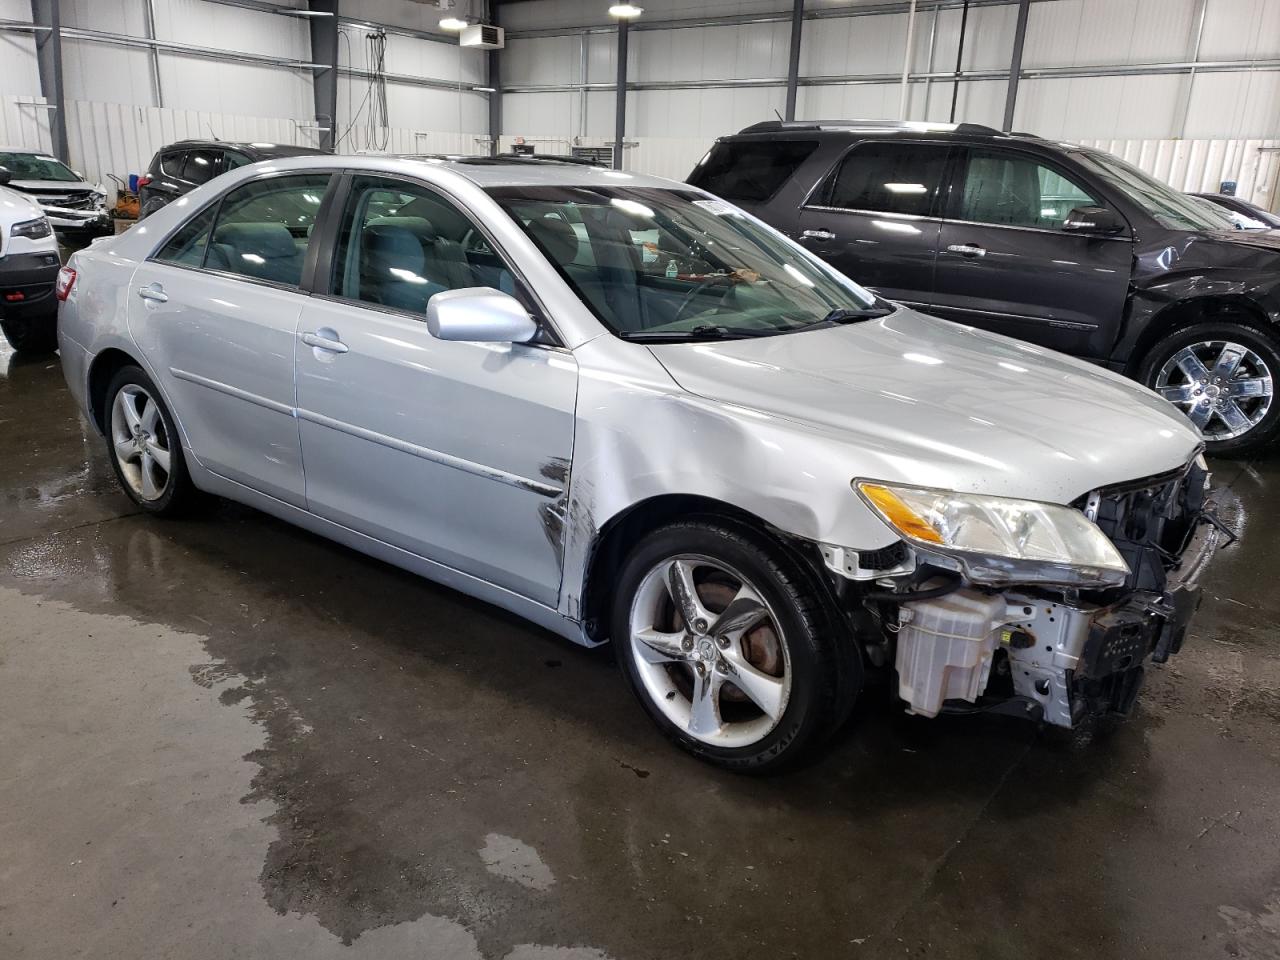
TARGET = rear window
(171,163)
(750,171)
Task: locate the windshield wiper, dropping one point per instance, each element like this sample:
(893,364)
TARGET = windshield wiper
(706,331)
(845,315)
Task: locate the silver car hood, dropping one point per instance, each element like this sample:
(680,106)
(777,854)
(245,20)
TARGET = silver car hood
(927,401)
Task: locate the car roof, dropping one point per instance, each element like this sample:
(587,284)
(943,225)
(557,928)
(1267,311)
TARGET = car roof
(263,150)
(488,172)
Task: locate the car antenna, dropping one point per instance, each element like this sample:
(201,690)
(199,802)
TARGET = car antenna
(778,115)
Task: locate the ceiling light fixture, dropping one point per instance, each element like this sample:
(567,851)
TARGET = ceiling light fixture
(625,11)
(454,24)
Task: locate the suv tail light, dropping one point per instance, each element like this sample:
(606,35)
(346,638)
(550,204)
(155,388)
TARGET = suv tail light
(66,280)
(143,181)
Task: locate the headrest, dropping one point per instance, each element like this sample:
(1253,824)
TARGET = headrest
(267,240)
(392,246)
(556,237)
(420,227)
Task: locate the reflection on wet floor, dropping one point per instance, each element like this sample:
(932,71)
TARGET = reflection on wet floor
(427,776)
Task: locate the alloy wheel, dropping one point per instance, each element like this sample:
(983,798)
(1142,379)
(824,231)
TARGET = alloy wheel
(1223,387)
(141,442)
(709,650)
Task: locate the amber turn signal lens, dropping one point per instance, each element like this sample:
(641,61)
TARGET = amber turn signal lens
(899,514)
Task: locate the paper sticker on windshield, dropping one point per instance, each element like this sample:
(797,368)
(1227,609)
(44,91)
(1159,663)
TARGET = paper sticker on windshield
(718,207)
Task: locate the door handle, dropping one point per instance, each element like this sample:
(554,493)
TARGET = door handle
(967,249)
(153,291)
(817,235)
(320,342)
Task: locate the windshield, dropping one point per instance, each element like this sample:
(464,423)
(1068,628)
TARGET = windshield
(33,166)
(656,264)
(1171,209)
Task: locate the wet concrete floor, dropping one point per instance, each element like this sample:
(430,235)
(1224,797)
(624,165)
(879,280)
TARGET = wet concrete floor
(224,737)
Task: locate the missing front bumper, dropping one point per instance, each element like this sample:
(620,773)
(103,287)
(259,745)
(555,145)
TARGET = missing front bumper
(1064,661)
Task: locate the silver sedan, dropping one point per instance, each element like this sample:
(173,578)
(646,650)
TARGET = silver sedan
(625,409)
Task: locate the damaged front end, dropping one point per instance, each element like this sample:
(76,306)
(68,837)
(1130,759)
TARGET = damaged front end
(969,631)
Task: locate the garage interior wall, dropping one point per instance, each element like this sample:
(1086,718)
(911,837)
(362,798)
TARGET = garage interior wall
(1198,126)
(116,117)
(1190,89)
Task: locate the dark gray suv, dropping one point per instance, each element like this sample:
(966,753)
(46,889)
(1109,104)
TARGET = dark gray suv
(1060,245)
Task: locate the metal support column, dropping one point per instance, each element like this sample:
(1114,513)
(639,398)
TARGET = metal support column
(493,80)
(955,86)
(324,85)
(1184,100)
(907,57)
(1015,64)
(793,64)
(45,13)
(149,15)
(620,111)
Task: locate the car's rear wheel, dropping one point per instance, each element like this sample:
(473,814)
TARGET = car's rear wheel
(144,447)
(728,648)
(31,336)
(1222,376)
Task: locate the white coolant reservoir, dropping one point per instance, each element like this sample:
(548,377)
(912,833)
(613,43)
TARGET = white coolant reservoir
(945,647)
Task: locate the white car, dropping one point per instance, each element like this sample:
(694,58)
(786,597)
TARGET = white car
(627,410)
(76,208)
(28,270)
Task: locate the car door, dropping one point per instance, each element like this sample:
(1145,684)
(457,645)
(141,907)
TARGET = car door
(875,217)
(455,451)
(215,312)
(1005,263)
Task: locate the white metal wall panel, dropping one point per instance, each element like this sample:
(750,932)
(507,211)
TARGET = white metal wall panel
(98,71)
(1076,32)
(1202,165)
(232,28)
(1241,29)
(711,53)
(1227,105)
(24,122)
(19,75)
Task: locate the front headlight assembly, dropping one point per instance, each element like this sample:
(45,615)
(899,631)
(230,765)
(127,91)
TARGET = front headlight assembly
(998,540)
(36,229)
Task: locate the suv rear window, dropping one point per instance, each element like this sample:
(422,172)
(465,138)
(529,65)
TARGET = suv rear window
(751,171)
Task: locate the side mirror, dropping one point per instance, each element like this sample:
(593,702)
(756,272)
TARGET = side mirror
(480,315)
(5,176)
(1093,220)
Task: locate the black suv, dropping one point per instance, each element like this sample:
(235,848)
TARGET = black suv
(181,167)
(1061,245)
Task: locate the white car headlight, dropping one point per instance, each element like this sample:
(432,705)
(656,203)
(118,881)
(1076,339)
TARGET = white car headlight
(998,540)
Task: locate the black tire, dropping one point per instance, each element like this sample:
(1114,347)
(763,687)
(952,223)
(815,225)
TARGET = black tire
(151,206)
(38,335)
(1261,340)
(825,667)
(179,495)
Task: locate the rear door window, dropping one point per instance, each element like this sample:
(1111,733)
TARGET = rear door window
(201,166)
(264,226)
(883,177)
(171,163)
(751,171)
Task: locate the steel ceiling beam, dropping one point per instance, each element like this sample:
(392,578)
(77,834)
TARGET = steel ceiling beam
(47,15)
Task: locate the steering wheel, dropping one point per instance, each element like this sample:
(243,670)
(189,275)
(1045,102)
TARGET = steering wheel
(689,297)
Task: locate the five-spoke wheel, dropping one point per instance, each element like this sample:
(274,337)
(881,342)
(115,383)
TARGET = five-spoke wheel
(140,442)
(709,651)
(144,446)
(724,640)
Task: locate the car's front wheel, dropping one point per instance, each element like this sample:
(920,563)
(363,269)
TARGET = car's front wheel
(728,648)
(1221,374)
(144,447)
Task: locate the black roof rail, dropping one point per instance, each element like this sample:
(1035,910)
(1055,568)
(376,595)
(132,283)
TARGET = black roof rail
(782,126)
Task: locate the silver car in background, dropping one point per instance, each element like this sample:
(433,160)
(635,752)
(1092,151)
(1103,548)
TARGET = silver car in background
(626,410)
